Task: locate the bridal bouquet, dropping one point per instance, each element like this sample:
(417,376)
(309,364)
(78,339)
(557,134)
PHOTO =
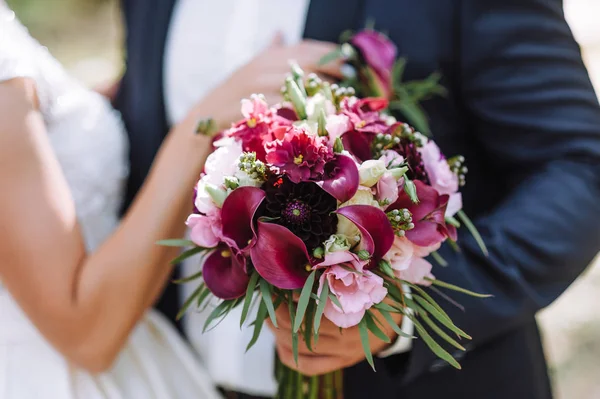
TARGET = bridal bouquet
(327,205)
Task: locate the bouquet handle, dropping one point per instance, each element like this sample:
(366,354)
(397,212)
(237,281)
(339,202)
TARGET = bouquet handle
(294,385)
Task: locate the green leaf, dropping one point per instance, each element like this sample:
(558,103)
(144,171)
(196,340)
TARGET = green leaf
(386,268)
(309,320)
(428,297)
(335,301)
(202,297)
(265,293)
(217,312)
(189,301)
(374,328)
(434,346)
(456,288)
(189,278)
(413,113)
(411,190)
(248,297)
(398,70)
(290,301)
(384,306)
(187,254)
(440,332)
(388,317)
(303,301)
(331,56)
(320,309)
(473,230)
(261,315)
(175,243)
(442,318)
(364,339)
(439,259)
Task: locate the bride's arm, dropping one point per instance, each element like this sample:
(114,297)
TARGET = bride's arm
(85,305)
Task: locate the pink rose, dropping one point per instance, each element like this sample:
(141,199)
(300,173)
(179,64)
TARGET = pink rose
(417,271)
(438,170)
(356,290)
(205,230)
(401,254)
(387,188)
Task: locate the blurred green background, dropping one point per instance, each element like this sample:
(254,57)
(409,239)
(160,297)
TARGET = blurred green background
(86,35)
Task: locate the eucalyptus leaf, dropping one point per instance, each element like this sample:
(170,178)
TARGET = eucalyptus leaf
(202,297)
(261,315)
(374,328)
(217,312)
(335,301)
(322,301)
(331,56)
(388,317)
(309,320)
(474,232)
(363,330)
(265,293)
(303,301)
(442,318)
(189,278)
(434,346)
(187,254)
(248,297)
(188,302)
(439,259)
(456,288)
(440,332)
(413,113)
(176,243)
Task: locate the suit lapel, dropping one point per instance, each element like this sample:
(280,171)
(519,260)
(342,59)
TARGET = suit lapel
(327,19)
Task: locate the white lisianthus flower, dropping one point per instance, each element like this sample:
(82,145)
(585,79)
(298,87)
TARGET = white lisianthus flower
(223,161)
(337,242)
(371,171)
(244,180)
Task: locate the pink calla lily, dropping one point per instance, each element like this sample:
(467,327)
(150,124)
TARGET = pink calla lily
(280,257)
(224,273)
(237,216)
(377,235)
(428,216)
(341,178)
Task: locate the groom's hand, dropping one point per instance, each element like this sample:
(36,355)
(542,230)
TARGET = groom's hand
(336,349)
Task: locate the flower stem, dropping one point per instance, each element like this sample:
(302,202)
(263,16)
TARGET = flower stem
(294,385)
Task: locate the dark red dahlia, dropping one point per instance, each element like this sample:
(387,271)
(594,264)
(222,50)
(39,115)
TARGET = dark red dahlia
(416,167)
(304,208)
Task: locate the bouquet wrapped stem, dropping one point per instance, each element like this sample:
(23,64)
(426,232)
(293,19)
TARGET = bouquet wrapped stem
(295,385)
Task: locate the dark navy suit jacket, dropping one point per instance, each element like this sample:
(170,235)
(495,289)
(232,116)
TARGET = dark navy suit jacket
(520,108)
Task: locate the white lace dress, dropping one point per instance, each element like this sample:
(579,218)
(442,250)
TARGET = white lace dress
(90,144)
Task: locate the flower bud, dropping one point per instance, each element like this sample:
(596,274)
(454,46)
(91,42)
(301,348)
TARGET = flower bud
(231,182)
(363,255)
(297,98)
(318,252)
(411,190)
(371,171)
(217,194)
(337,242)
(338,146)
(399,173)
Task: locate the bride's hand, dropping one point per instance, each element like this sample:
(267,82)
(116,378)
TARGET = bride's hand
(264,74)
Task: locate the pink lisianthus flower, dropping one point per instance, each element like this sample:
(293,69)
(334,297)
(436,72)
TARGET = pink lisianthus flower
(300,155)
(391,158)
(387,189)
(438,170)
(336,126)
(364,114)
(356,289)
(205,230)
(407,261)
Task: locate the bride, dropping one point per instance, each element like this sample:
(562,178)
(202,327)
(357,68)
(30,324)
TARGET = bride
(75,286)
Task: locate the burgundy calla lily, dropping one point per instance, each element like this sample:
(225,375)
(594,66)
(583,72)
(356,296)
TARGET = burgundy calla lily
(237,215)
(341,178)
(224,273)
(428,216)
(379,53)
(358,144)
(280,257)
(377,235)
(224,270)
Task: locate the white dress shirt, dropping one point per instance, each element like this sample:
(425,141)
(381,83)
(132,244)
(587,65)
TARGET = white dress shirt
(208,40)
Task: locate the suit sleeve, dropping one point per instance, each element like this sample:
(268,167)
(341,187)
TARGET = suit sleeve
(536,118)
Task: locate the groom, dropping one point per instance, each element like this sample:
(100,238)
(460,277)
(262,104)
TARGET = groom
(520,108)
